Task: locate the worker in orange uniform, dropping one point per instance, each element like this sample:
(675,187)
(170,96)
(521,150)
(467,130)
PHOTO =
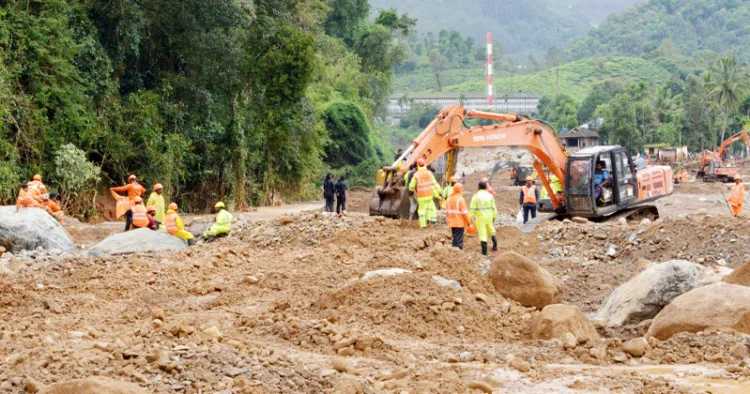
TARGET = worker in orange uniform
(489,187)
(423,183)
(53,207)
(39,187)
(458,215)
(124,205)
(737,197)
(176,227)
(139,216)
(529,197)
(26,199)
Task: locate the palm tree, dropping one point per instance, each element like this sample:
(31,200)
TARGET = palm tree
(664,104)
(726,86)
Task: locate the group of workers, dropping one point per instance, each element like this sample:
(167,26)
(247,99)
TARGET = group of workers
(337,190)
(153,215)
(33,194)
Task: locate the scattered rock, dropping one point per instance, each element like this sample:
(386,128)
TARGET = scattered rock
(635,347)
(53,306)
(92,385)
(557,320)
(520,364)
(158,313)
(481,297)
(523,280)
(251,280)
(32,386)
(32,228)
(286,220)
(346,352)
(580,220)
(137,241)
(211,333)
(446,282)
(385,272)
(740,275)
(481,386)
(612,251)
(340,365)
(717,306)
(646,294)
(569,341)
(620,357)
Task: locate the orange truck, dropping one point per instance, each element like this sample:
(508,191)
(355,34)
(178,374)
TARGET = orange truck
(632,189)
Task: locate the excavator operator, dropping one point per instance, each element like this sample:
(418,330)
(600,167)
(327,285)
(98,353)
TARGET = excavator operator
(601,179)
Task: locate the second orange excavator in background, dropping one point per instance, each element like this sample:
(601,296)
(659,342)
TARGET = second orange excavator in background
(714,168)
(633,185)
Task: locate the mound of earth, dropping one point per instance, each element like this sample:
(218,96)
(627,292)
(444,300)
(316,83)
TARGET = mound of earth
(137,241)
(93,385)
(32,228)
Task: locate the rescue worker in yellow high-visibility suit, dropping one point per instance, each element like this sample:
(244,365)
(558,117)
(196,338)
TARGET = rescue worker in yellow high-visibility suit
(484,211)
(736,197)
(176,227)
(423,183)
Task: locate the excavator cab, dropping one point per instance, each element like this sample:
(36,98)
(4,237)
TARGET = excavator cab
(601,180)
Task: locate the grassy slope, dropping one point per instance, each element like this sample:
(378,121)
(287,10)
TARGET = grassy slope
(576,79)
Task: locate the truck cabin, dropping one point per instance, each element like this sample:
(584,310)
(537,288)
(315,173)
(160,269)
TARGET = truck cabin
(600,179)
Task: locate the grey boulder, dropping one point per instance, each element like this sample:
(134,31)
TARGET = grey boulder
(32,228)
(137,241)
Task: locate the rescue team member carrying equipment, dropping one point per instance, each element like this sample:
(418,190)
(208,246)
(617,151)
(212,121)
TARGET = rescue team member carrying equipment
(175,226)
(484,211)
(222,224)
(634,188)
(458,215)
(528,199)
(426,187)
(134,190)
(737,196)
(157,201)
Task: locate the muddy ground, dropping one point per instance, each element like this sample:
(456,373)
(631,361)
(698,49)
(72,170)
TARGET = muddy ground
(281,307)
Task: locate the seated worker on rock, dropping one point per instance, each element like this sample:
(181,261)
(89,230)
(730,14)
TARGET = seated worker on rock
(141,219)
(26,198)
(222,225)
(53,207)
(152,212)
(601,179)
(175,226)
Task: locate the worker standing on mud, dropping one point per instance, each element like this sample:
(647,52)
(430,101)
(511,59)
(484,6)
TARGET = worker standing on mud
(175,226)
(222,225)
(424,184)
(329,191)
(124,205)
(412,199)
(527,200)
(737,196)
(458,215)
(156,200)
(341,195)
(432,208)
(484,211)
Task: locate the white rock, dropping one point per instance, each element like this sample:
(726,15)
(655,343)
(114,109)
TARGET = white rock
(446,282)
(32,229)
(385,272)
(136,241)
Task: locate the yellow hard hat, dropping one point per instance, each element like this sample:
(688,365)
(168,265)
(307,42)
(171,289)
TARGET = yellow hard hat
(220,205)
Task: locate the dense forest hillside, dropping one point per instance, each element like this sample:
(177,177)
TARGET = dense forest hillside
(523,27)
(684,25)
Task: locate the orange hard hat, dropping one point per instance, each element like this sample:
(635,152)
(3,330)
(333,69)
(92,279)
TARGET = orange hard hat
(37,177)
(138,200)
(485,180)
(131,177)
(458,188)
(420,162)
(150,208)
(173,206)
(158,186)
(453,179)
(471,228)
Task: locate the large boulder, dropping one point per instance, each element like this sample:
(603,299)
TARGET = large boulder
(140,240)
(716,306)
(555,321)
(523,280)
(740,276)
(642,297)
(92,385)
(32,228)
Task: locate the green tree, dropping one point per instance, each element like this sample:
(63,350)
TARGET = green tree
(620,126)
(345,18)
(726,86)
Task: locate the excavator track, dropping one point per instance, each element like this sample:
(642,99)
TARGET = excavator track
(529,226)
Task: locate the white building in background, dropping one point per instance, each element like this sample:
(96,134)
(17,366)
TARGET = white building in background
(522,103)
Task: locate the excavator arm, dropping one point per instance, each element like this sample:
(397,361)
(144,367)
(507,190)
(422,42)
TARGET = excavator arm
(741,136)
(447,133)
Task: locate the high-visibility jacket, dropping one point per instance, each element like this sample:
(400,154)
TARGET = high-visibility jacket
(38,186)
(140,216)
(54,209)
(25,199)
(456,211)
(175,226)
(554,184)
(156,200)
(529,194)
(448,191)
(133,189)
(424,183)
(483,207)
(222,225)
(737,195)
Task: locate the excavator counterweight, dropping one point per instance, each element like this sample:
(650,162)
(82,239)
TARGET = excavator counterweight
(628,188)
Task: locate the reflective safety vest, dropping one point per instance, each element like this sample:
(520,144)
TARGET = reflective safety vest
(483,207)
(140,216)
(425,183)
(458,215)
(170,221)
(529,195)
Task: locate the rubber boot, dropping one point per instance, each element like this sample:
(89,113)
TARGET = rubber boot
(484,248)
(191,241)
(494,243)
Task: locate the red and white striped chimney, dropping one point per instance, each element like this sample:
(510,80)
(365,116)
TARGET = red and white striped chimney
(490,92)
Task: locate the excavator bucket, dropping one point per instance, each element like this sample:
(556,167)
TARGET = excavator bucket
(394,204)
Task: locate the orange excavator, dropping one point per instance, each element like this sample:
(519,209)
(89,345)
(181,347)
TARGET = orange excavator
(714,168)
(633,185)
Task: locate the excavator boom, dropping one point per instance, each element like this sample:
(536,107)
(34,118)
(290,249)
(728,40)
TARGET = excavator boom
(714,167)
